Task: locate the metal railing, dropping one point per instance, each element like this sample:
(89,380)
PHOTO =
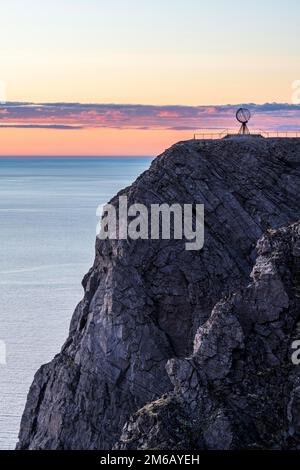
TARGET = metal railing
(225,132)
(211,135)
(272,134)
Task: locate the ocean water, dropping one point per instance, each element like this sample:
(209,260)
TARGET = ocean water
(47,236)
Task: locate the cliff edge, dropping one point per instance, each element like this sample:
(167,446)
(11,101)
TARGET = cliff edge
(175,342)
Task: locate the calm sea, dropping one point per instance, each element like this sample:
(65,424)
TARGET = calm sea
(47,235)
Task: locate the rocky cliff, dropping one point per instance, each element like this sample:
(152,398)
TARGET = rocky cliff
(172,348)
(240,388)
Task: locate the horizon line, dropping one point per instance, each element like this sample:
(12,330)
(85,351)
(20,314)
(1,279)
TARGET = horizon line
(77,156)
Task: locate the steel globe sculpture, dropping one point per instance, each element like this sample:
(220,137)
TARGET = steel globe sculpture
(243,115)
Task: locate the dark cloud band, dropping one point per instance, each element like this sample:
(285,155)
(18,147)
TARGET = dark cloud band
(70,116)
(39,126)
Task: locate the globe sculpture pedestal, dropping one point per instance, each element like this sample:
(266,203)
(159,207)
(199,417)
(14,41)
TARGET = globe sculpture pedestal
(243,115)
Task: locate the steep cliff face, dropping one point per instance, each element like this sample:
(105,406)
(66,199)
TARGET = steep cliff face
(240,388)
(146,299)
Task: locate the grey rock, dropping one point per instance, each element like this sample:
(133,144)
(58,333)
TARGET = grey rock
(144,349)
(239,387)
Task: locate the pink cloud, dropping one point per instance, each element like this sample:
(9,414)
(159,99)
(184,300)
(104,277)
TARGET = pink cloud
(270,116)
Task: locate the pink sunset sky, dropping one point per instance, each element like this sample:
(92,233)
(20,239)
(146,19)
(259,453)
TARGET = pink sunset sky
(99,129)
(132,78)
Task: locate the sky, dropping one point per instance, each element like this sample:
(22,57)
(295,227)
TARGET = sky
(98,77)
